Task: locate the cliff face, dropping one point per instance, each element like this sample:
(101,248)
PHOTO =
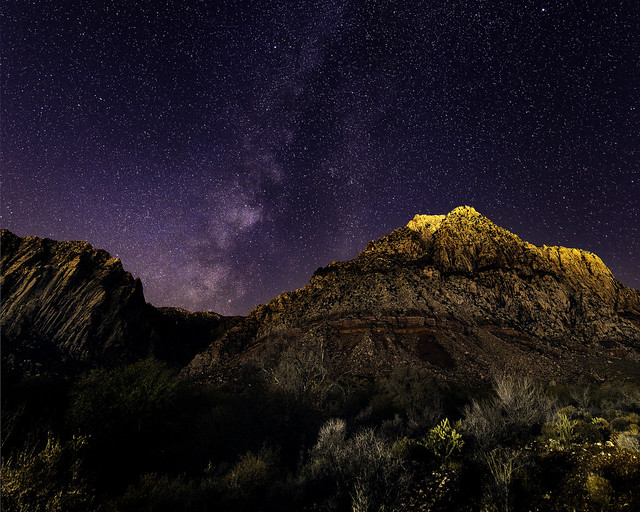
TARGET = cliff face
(459,295)
(66,304)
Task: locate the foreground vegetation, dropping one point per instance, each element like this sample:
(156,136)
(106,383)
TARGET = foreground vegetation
(295,436)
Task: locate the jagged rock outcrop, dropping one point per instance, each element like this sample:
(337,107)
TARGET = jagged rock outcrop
(66,305)
(459,295)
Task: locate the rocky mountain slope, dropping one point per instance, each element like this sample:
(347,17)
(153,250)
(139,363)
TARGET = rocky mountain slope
(453,293)
(67,305)
(458,295)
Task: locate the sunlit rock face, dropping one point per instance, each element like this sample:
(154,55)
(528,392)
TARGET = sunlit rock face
(67,305)
(459,295)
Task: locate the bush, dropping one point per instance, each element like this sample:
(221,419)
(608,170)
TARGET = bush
(518,407)
(620,424)
(132,398)
(586,431)
(162,493)
(362,470)
(411,394)
(564,429)
(601,424)
(127,413)
(252,474)
(304,373)
(628,441)
(443,440)
(503,465)
(598,491)
(624,397)
(46,480)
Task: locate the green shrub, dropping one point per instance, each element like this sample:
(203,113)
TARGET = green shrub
(620,424)
(443,440)
(125,399)
(564,430)
(570,412)
(402,448)
(585,431)
(127,413)
(601,424)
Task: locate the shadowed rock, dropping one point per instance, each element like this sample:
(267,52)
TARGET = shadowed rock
(67,305)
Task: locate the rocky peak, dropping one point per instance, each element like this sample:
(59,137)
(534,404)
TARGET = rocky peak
(426,225)
(458,294)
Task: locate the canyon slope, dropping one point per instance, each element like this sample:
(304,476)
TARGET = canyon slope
(67,306)
(457,295)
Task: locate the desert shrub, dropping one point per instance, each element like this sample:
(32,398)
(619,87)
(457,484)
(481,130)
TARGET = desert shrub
(628,441)
(586,431)
(598,491)
(601,424)
(49,479)
(576,425)
(402,448)
(360,471)
(564,430)
(503,467)
(623,397)
(443,441)
(582,399)
(570,412)
(412,394)
(31,406)
(304,373)
(517,408)
(127,413)
(129,398)
(162,493)
(620,424)
(406,403)
(252,474)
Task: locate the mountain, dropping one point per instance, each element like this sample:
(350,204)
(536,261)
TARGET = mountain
(68,306)
(455,294)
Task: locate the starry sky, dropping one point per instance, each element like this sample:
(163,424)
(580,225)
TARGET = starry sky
(226,149)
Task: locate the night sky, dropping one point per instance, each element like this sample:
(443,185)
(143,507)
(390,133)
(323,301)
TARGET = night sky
(224,150)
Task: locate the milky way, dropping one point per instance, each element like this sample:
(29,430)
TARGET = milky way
(225,150)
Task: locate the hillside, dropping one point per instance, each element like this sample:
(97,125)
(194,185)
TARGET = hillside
(458,295)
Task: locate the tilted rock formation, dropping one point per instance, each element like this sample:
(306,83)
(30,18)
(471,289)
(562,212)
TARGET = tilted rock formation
(66,304)
(459,295)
